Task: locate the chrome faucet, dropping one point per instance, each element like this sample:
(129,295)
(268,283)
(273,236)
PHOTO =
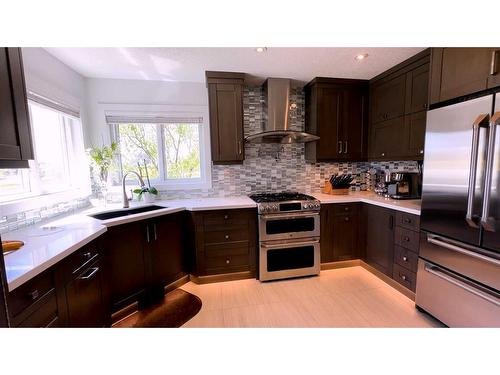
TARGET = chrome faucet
(125,197)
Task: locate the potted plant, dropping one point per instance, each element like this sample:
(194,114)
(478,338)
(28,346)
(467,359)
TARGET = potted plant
(148,192)
(102,161)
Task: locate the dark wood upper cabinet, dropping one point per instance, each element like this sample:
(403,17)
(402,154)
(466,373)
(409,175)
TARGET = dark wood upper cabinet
(457,72)
(15,133)
(336,111)
(225,102)
(388,99)
(398,105)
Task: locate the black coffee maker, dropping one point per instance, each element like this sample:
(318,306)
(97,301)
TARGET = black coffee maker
(405,186)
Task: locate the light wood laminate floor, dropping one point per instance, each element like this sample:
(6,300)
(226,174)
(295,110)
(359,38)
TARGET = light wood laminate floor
(345,297)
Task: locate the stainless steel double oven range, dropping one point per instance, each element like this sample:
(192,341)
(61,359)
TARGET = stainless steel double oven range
(289,232)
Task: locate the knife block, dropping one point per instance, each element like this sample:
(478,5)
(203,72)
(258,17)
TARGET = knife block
(329,189)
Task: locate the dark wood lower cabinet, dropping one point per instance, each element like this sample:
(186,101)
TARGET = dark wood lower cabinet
(340,230)
(123,245)
(380,238)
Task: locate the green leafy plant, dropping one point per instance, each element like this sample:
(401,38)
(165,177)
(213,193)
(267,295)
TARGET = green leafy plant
(145,189)
(102,159)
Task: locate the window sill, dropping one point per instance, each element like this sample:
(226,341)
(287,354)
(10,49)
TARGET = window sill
(32,202)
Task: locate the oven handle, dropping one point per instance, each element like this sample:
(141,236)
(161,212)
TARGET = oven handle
(289,244)
(285,216)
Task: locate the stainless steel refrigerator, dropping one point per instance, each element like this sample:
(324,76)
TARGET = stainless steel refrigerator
(458,277)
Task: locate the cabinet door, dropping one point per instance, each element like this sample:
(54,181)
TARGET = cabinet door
(85,299)
(415,128)
(380,238)
(388,99)
(494,76)
(387,139)
(15,133)
(326,232)
(345,237)
(329,115)
(226,122)
(463,71)
(417,89)
(166,255)
(353,127)
(123,245)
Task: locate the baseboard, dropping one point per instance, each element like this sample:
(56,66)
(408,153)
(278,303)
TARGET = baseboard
(340,264)
(177,284)
(408,293)
(222,277)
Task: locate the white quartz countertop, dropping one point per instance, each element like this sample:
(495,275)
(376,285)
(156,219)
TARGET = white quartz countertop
(47,244)
(411,206)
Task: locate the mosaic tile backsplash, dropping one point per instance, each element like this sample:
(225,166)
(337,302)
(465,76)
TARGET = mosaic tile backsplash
(267,167)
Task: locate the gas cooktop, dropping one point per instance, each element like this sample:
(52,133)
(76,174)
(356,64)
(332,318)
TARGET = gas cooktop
(280,197)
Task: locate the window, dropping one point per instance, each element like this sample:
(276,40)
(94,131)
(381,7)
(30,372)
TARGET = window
(173,150)
(59,157)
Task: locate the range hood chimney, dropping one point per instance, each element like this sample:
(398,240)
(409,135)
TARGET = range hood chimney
(276,116)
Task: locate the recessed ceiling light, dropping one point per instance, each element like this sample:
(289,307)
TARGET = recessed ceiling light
(361,56)
(261,49)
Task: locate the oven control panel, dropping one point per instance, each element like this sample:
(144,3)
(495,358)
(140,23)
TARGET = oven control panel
(296,206)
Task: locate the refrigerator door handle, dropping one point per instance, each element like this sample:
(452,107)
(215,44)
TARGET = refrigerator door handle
(481,121)
(486,222)
(442,243)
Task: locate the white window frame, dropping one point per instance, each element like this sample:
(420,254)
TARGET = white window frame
(128,110)
(78,180)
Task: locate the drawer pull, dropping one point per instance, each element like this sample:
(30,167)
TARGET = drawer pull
(347,218)
(383,154)
(87,255)
(346,208)
(403,277)
(34,294)
(406,239)
(90,274)
(226,217)
(226,236)
(407,220)
(405,259)
(228,261)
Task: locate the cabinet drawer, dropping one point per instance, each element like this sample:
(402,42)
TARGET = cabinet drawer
(74,263)
(408,221)
(29,293)
(406,238)
(44,315)
(404,277)
(344,208)
(405,258)
(225,217)
(233,233)
(237,248)
(227,263)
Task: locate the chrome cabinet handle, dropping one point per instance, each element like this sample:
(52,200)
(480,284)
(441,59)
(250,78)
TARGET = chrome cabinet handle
(93,271)
(340,147)
(382,154)
(439,242)
(226,236)
(345,147)
(228,261)
(154,232)
(494,62)
(486,222)
(438,273)
(403,277)
(240,148)
(147,233)
(34,294)
(405,259)
(481,121)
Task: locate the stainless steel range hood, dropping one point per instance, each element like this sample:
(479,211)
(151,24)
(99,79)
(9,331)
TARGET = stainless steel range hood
(276,116)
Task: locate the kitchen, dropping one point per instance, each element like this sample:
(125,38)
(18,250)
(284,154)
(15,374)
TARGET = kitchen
(289,186)
(297,187)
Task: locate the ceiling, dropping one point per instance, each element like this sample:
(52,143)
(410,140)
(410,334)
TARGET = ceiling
(190,64)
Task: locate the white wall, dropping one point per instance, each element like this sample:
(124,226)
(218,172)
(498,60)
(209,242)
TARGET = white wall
(105,94)
(48,76)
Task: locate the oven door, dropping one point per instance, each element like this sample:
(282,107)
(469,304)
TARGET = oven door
(289,259)
(288,226)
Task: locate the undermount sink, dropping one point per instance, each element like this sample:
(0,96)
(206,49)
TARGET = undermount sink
(125,212)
